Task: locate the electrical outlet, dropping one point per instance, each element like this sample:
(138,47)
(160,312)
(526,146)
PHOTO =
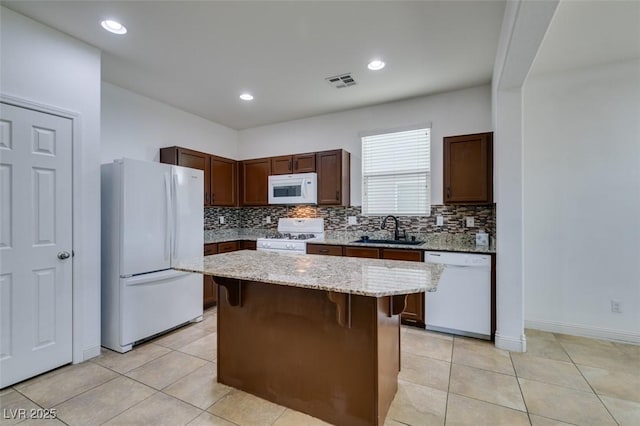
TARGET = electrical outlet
(439,221)
(616,306)
(482,239)
(352,220)
(470,222)
(267,219)
(221,220)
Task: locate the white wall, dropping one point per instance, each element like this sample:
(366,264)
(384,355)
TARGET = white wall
(452,113)
(582,200)
(47,67)
(137,127)
(523,28)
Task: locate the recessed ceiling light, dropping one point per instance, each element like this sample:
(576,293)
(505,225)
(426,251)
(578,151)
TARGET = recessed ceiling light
(376,65)
(246,97)
(113,26)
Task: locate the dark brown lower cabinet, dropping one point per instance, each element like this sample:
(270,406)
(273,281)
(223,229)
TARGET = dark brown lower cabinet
(370,252)
(414,311)
(228,246)
(326,249)
(209,286)
(247,245)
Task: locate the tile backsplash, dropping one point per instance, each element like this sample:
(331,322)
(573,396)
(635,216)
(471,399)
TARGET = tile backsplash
(336,218)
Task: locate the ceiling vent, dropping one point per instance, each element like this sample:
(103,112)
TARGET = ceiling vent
(341,81)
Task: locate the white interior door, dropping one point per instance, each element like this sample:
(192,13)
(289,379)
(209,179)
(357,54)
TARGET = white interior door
(35,243)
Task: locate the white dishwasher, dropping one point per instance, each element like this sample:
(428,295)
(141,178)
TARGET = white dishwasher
(462,303)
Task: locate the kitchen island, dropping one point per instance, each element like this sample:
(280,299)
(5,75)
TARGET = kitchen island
(318,334)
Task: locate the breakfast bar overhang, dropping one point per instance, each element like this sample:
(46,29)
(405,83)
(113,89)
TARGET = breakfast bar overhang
(318,334)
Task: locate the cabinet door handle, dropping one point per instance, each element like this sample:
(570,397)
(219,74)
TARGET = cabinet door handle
(337,195)
(213,197)
(324,251)
(289,165)
(206,197)
(295,165)
(448,193)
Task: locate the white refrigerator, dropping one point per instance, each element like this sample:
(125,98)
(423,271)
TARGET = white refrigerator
(152,214)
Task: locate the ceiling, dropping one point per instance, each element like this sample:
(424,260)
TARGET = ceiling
(200,56)
(589,33)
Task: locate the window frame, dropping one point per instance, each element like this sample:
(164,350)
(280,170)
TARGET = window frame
(427,173)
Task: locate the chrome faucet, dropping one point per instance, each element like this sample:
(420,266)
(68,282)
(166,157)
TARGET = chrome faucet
(396,231)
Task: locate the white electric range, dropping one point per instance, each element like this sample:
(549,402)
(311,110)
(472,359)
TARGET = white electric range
(293,235)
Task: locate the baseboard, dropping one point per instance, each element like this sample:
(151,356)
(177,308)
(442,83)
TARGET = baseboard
(91,352)
(509,343)
(584,331)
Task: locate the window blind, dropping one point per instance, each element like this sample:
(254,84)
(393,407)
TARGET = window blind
(396,173)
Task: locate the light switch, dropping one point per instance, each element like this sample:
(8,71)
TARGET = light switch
(267,219)
(439,221)
(352,220)
(221,220)
(470,222)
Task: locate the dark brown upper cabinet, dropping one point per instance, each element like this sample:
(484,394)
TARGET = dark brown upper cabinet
(224,181)
(333,169)
(298,163)
(468,169)
(254,178)
(220,174)
(190,158)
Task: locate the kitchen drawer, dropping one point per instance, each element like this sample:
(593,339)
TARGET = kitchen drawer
(325,249)
(228,246)
(399,254)
(210,249)
(369,252)
(247,245)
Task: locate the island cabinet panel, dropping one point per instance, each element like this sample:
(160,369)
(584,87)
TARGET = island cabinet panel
(468,169)
(413,313)
(224,182)
(370,252)
(326,249)
(209,286)
(284,344)
(333,169)
(255,177)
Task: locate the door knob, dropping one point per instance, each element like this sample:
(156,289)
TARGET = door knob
(64,255)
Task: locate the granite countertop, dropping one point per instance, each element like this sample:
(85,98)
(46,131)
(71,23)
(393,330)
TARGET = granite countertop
(436,242)
(439,245)
(367,277)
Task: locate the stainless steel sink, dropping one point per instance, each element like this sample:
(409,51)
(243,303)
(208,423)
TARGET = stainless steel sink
(399,242)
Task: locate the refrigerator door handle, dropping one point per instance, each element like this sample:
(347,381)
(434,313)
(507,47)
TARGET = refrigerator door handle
(155,278)
(167,206)
(176,222)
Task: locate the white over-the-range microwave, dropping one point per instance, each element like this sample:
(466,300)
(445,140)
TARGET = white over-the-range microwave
(300,188)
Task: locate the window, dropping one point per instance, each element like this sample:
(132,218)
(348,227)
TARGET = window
(396,173)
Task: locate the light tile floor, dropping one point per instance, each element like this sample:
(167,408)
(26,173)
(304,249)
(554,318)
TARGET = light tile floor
(445,380)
